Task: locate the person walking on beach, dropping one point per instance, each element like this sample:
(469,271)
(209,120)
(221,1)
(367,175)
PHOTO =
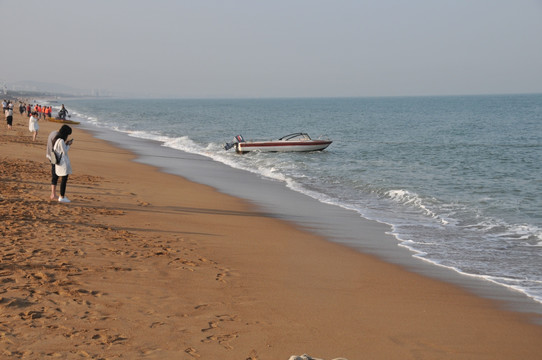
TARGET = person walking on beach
(59,143)
(33,126)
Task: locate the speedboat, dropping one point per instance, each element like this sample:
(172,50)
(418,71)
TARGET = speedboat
(292,142)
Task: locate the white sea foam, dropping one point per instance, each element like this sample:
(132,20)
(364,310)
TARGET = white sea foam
(414,200)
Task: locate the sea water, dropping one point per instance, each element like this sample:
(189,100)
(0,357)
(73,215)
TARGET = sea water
(458,178)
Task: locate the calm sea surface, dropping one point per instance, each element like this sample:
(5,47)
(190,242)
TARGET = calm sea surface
(459,178)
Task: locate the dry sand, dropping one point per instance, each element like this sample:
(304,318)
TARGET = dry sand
(147,265)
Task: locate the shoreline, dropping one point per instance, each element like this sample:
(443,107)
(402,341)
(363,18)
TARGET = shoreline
(175,269)
(335,223)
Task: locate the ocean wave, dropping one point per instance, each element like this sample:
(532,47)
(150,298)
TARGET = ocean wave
(413,200)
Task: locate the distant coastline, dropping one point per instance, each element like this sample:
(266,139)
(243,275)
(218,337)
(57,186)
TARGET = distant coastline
(31,96)
(46,91)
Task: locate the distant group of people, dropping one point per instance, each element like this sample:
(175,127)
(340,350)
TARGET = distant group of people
(42,112)
(34,113)
(57,143)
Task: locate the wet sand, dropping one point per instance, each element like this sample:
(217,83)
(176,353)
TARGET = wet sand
(144,264)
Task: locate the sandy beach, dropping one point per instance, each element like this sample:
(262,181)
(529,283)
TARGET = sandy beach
(144,264)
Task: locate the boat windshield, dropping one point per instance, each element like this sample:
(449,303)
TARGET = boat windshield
(296,136)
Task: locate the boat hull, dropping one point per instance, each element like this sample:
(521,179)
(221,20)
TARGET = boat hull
(282,146)
(63,121)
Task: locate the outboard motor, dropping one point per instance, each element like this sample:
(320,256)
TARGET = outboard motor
(238,139)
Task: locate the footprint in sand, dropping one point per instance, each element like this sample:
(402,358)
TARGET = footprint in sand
(192,352)
(226,317)
(212,325)
(222,275)
(223,340)
(156,324)
(31,315)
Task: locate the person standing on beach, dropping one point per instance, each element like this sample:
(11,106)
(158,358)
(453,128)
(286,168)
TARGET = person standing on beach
(9,116)
(57,140)
(54,177)
(62,113)
(33,126)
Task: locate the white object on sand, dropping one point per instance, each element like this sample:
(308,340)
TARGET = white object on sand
(307,357)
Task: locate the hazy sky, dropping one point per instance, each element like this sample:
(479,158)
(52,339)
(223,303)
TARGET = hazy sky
(276,48)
